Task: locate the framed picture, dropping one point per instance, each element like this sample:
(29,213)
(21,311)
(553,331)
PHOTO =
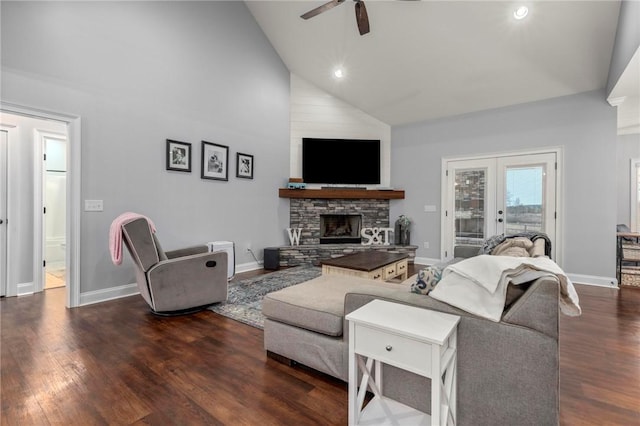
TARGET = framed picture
(244,166)
(215,161)
(178,156)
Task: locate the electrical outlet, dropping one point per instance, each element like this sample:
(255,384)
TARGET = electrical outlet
(426,244)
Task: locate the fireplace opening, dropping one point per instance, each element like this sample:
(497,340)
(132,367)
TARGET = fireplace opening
(340,228)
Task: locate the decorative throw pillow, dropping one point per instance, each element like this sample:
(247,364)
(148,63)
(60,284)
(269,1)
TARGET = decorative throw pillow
(426,280)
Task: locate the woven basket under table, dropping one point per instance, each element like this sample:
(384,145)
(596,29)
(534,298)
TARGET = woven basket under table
(630,277)
(631,252)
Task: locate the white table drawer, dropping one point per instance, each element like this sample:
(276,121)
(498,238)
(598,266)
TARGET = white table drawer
(408,354)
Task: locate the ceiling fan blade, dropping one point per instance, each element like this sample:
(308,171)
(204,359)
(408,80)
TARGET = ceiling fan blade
(318,10)
(362,18)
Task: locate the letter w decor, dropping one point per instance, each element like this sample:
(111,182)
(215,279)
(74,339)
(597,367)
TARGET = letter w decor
(294,236)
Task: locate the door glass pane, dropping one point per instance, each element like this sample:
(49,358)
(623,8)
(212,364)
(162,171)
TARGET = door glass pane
(469,211)
(524,199)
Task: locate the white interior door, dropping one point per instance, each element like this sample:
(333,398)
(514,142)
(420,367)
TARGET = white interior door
(4,138)
(499,195)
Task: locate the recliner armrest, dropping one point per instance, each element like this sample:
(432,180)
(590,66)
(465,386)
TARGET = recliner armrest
(187,251)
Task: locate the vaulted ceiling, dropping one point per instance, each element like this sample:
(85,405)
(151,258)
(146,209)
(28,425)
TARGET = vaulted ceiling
(429,59)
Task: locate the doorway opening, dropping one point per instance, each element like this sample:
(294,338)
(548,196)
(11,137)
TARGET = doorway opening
(45,242)
(54,171)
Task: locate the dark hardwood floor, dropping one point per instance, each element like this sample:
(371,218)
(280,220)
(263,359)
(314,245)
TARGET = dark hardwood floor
(115,363)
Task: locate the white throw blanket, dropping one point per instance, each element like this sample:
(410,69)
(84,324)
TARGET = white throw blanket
(479,284)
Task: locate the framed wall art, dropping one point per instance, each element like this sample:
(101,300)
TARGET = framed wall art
(244,166)
(215,161)
(178,156)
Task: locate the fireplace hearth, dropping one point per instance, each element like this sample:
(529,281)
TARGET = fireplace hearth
(340,228)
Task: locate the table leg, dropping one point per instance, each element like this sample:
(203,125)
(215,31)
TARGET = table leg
(353,379)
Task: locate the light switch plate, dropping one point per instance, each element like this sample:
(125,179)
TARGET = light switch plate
(93,205)
(429,208)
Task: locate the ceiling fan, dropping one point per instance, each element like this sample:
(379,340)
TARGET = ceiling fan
(362,19)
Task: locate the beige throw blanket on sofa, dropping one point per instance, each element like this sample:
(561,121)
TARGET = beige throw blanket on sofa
(479,284)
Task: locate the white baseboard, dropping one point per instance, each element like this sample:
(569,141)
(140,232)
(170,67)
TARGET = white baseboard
(246,267)
(25,289)
(593,280)
(97,296)
(426,261)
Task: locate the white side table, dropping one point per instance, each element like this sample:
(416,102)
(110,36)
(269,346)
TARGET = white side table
(417,340)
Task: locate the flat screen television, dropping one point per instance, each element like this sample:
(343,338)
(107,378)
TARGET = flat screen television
(341,161)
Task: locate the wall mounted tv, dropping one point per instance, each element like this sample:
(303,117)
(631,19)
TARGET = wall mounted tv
(341,161)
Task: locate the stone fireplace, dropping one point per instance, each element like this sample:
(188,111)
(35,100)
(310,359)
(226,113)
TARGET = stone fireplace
(306,213)
(331,220)
(340,228)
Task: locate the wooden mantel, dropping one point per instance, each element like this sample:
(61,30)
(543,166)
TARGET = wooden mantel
(371,194)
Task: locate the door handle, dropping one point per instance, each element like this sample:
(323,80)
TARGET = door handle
(500,220)
(1,221)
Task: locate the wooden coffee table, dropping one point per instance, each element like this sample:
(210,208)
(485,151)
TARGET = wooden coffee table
(376,265)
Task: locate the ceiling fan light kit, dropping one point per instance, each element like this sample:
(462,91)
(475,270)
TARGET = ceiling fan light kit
(362,19)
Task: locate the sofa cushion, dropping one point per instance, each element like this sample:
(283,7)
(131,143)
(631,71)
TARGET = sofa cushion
(317,304)
(513,291)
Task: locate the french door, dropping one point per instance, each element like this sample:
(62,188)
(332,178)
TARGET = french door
(499,195)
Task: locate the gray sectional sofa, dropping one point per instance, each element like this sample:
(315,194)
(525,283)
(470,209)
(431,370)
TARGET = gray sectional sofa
(507,370)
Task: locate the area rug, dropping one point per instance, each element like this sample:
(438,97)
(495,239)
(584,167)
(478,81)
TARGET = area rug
(244,301)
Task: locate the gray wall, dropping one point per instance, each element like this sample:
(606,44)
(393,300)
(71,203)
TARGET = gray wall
(627,40)
(628,149)
(584,124)
(139,73)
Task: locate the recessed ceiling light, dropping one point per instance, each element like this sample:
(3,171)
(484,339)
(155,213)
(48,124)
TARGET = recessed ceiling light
(521,12)
(338,73)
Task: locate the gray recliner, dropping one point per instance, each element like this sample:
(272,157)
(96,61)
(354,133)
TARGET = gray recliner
(175,282)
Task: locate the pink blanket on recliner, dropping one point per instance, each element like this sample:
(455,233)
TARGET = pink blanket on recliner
(115,234)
